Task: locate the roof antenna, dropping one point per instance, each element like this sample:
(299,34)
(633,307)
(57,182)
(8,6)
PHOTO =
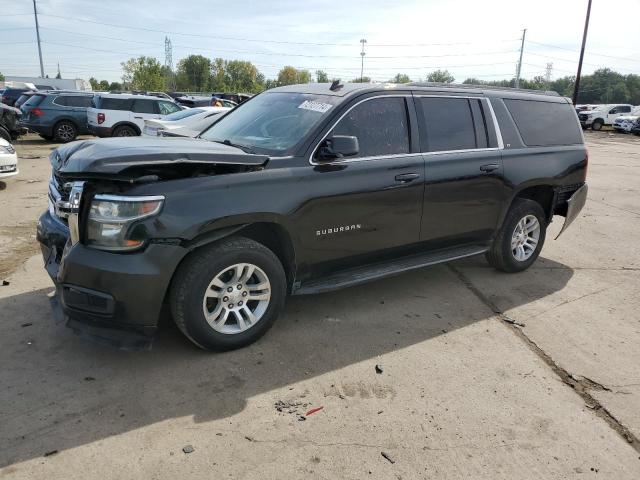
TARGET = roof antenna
(336,85)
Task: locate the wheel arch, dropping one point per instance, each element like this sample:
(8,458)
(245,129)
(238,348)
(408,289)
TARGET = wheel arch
(543,194)
(125,123)
(272,235)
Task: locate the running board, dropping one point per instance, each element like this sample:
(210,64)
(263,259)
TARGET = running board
(367,273)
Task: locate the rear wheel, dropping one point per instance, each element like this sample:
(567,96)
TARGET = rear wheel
(519,241)
(65,132)
(597,124)
(228,295)
(125,131)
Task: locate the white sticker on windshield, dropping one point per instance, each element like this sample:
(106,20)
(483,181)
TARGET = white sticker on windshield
(315,106)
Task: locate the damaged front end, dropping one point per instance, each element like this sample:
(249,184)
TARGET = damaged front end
(101,237)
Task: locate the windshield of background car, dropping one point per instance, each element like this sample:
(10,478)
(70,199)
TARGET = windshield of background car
(272,123)
(183,114)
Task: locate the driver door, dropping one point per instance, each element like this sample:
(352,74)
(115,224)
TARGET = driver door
(365,204)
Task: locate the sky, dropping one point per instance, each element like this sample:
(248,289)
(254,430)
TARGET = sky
(470,38)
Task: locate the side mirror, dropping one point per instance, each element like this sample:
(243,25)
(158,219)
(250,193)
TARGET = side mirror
(338,146)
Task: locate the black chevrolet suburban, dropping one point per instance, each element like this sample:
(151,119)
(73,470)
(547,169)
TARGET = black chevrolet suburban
(299,190)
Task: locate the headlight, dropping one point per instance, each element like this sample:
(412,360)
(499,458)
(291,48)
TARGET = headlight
(7,149)
(110,217)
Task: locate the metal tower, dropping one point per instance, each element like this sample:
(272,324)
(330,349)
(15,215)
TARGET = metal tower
(168,62)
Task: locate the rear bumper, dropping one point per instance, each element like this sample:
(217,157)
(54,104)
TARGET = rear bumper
(100,131)
(575,203)
(38,128)
(109,297)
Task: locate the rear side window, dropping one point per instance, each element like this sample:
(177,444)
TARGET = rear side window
(61,101)
(450,125)
(114,104)
(545,123)
(34,101)
(380,125)
(167,108)
(144,106)
(79,101)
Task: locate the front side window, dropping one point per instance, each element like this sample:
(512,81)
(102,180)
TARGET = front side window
(78,101)
(449,124)
(272,123)
(380,124)
(167,108)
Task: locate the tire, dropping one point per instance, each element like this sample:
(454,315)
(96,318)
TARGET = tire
(501,255)
(195,278)
(597,125)
(5,135)
(125,131)
(65,131)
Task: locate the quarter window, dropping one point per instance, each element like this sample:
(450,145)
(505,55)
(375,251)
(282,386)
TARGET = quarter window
(380,125)
(167,108)
(449,124)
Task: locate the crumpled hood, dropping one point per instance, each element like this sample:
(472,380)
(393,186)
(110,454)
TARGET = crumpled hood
(111,156)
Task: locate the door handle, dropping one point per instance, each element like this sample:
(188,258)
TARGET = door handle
(140,118)
(489,167)
(407,177)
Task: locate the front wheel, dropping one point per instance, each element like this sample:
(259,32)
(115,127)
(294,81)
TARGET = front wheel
(519,241)
(228,295)
(125,131)
(597,125)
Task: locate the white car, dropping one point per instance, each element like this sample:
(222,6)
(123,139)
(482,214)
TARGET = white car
(185,123)
(603,115)
(625,123)
(8,160)
(123,115)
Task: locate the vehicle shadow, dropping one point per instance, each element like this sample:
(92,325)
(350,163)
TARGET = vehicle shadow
(59,391)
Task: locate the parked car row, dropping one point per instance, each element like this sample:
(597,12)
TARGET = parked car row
(597,116)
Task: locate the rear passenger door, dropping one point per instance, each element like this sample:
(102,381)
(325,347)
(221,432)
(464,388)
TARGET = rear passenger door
(79,105)
(144,109)
(464,181)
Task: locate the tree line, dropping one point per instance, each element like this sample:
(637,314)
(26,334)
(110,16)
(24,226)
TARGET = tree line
(197,73)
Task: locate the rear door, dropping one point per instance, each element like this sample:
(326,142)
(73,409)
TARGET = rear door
(79,105)
(616,112)
(144,109)
(464,182)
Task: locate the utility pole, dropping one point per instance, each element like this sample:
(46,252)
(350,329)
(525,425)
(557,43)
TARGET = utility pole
(547,74)
(524,32)
(576,86)
(362,54)
(35,13)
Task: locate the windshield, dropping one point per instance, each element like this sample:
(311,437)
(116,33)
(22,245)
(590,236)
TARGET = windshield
(271,123)
(183,114)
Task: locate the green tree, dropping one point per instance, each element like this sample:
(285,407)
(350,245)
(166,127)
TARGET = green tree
(193,73)
(104,85)
(115,86)
(290,75)
(440,76)
(94,84)
(364,79)
(270,83)
(58,75)
(321,76)
(1,77)
(143,73)
(400,78)
(236,76)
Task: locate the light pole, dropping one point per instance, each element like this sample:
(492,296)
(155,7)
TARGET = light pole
(362,54)
(35,13)
(576,86)
(524,32)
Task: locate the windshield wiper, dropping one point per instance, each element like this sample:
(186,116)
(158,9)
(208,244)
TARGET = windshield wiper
(244,148)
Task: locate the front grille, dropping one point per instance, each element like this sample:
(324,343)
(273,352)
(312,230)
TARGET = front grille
(583,117)
(58,195)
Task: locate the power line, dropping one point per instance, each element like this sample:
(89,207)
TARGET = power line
(577,51)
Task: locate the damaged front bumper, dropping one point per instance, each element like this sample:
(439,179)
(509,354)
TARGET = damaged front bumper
(111,298)
(575,203)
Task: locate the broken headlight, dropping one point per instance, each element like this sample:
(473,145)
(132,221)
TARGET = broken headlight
(110,217)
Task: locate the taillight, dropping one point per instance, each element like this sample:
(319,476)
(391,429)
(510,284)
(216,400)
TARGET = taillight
(37,112)
(101,118)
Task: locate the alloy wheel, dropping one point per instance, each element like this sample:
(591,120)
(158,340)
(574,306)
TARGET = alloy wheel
(525,237)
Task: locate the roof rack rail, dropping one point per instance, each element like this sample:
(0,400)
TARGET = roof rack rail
(482,87)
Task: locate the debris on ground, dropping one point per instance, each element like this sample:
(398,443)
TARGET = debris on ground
(512,321)
(28,324)
(301,418)
(313,410)
(379,369)
(291,407)
(247,437)
(50,452)
(388,457)
(5,283)
(89,379)
(188,449)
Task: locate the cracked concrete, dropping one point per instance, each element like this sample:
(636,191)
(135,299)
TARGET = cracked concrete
(465,392)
